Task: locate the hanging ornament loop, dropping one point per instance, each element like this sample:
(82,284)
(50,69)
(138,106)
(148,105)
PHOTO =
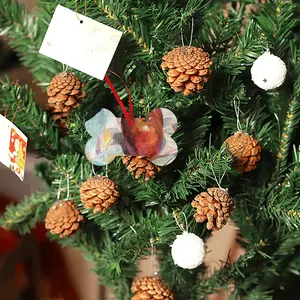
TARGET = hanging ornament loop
(85,6)
(154,273)
(237,111)
(127,115)
(93,170)
(68,186)
(218,182)
(181,32)
(59,188)
(184,227)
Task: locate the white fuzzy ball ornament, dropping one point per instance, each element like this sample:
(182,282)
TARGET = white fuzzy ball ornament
(268,71)
(188,250)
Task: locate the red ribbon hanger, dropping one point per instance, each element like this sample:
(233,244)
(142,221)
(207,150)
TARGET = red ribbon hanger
(127,115)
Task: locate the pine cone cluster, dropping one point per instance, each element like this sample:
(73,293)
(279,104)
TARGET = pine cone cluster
(64,94)
(188,69)
(151,288)
(245,150)
(140,166)
(63,218)
(215,206)
(99,193)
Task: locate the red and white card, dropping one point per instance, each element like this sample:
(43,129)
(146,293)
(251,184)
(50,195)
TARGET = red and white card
(13,147)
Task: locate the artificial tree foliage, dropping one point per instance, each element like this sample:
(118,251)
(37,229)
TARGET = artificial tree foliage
(267,206)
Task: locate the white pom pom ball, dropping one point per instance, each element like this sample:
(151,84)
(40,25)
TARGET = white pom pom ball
(268,71)
(188,250)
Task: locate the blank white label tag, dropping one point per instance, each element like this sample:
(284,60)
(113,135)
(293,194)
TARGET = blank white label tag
(88,46)
(13,146)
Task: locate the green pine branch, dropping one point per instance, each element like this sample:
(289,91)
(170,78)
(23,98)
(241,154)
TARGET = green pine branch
(107,263)
(118,12)
(277,21)
(283,205)
(223,277)
(19,103)
(291,122)
(267,209)
(201,169)
(24,215)
(24,33)
(245,48)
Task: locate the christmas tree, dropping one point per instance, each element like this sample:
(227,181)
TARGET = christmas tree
(237,140)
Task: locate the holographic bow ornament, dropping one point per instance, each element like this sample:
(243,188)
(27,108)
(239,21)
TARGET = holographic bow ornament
(149,137)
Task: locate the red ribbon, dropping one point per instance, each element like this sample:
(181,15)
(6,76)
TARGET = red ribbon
(127,115)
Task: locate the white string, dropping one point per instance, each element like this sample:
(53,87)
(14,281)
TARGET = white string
(68,187)
(59,188)
(152,257)
(218,183)
(106,170)
(148,109)
(186,221)
(93,170)
(179,225)
(181,32)
(192,33)
(278,124)
(237,113)
(222,177)
(81,172)
(65,68)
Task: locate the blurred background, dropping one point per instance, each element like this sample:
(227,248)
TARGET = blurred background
(32,267)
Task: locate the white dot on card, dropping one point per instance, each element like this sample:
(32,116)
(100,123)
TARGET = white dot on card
(114,39)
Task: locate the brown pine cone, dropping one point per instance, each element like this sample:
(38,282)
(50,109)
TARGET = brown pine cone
(138,166)
(189,69)
(245,150)
(63,218)
(99,193)
(215,206)
(150,288)
(64,94)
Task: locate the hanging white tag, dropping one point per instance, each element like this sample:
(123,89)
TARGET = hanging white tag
(13,147)
(83,44)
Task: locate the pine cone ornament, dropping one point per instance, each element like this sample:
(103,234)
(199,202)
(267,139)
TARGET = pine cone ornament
(99,193)
(245,150)
(63,218)
(140,166)
(215,206)
(189,69)
(150,288)
(64,94)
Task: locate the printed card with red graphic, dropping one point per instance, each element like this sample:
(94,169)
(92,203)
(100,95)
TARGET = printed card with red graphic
(13,147)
